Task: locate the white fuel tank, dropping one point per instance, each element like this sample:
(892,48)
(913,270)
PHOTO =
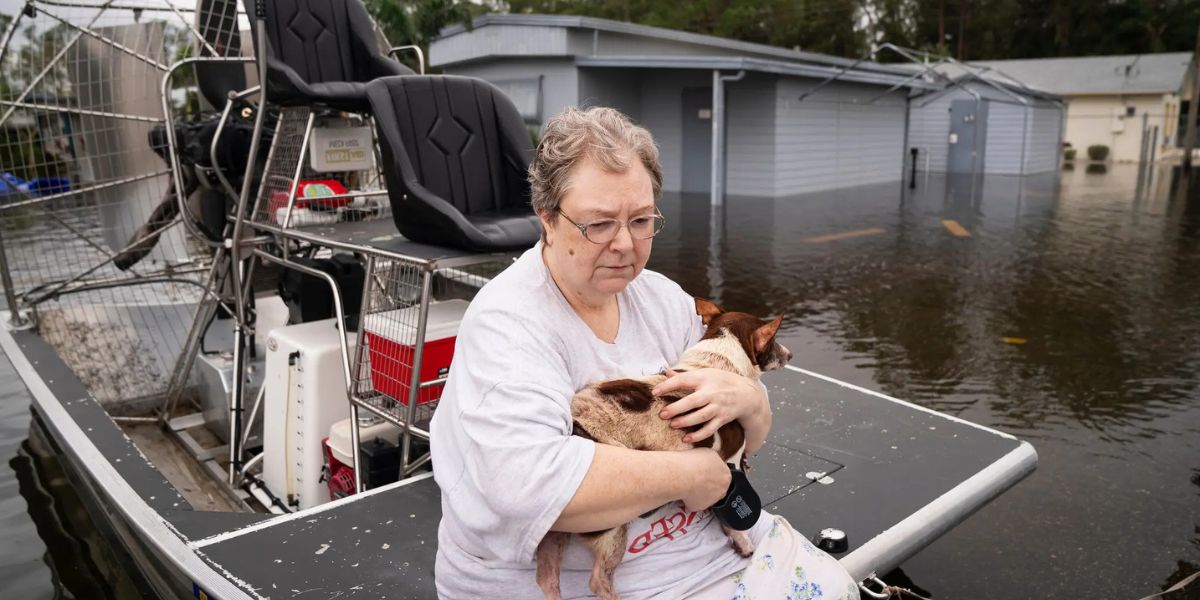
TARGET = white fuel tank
(306,395)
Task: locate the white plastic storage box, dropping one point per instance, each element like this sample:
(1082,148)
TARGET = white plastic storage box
(305,396)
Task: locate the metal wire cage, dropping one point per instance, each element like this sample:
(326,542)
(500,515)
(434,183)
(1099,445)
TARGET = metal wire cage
(322,169)
(89,220)
(409,322)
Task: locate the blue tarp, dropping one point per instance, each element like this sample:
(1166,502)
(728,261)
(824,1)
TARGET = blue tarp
(42,186)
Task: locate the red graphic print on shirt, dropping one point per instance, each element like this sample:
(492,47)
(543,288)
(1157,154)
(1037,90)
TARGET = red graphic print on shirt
(669,527)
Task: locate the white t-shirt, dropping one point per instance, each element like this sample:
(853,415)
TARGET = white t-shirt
(504,456)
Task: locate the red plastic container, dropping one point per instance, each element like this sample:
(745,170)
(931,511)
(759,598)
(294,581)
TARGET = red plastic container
(390,338)
(311,193)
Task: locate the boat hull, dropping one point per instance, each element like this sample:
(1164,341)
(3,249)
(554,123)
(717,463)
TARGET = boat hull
(126,496)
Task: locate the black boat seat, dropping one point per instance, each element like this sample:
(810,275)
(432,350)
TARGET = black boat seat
(323,53)
(216,20)
(455,155)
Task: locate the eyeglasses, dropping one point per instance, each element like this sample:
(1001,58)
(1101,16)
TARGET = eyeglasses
(603,231)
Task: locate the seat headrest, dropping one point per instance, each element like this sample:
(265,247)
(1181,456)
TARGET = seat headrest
(217,23)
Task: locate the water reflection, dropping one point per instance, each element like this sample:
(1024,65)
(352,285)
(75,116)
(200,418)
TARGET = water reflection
(80,562)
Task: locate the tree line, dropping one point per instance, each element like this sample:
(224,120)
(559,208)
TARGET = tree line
(964,29)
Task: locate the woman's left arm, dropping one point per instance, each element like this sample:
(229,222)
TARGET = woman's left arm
(718,397)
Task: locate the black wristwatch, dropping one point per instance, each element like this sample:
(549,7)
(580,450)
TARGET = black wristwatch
(741,506)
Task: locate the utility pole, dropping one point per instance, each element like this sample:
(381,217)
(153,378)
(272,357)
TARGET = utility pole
(962,27)
(941,41)
(1189,140)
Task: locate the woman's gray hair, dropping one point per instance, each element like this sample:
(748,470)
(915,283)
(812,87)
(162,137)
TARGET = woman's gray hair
(603,134)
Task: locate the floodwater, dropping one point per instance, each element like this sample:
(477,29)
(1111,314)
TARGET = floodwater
(1068,315)
(1064,310)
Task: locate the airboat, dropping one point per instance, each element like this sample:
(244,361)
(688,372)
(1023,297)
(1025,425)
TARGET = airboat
(233,287)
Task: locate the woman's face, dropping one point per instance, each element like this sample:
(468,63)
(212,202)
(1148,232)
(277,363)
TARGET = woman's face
(589,270)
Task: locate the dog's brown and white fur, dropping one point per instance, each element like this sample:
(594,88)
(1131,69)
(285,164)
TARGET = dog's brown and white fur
(624,412)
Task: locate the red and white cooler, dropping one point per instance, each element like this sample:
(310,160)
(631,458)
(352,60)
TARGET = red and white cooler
(391,337)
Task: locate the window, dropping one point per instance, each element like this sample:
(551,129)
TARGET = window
(1130,111)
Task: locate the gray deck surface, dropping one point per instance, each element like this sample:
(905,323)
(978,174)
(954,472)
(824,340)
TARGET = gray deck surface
(887,460)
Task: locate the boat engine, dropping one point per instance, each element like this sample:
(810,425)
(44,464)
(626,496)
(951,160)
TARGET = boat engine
(379,455)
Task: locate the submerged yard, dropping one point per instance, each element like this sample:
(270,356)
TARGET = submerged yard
(1064,311)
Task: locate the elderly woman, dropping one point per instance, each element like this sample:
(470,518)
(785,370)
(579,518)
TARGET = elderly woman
(577,308)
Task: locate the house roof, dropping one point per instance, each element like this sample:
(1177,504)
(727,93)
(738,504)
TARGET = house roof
(747,49)
(989,89)
(760,65)
(1162,73)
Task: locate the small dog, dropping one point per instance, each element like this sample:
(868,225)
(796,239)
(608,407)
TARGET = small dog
(624,412)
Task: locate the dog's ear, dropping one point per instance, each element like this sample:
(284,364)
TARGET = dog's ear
(763,335)
(707,310)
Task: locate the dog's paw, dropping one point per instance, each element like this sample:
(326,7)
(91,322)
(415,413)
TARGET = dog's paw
(741,542)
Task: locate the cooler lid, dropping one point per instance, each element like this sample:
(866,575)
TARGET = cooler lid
(400,325)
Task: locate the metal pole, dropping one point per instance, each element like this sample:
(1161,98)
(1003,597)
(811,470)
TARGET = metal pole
(1153,152)
(173,144)
(339,312)
(80,111)
(191,345)
(1026,137)
(1062,127)
(1143,149)
(420,56)
(718,113)
(912,178)
(907,130)
(260,12)
(8,33)
(287,215)
(1153,144)
(831,79)
(717,190)
(262,391)
(716,235)
(414,388)
(352,392)
(235,251)
(213,158)
(235,405)
(82,190)
(15,320)
(975,166)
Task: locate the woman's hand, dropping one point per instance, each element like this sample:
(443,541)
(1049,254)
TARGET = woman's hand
(717,397)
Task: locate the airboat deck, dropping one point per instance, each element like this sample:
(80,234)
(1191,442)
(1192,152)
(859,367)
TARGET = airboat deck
(892,475)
